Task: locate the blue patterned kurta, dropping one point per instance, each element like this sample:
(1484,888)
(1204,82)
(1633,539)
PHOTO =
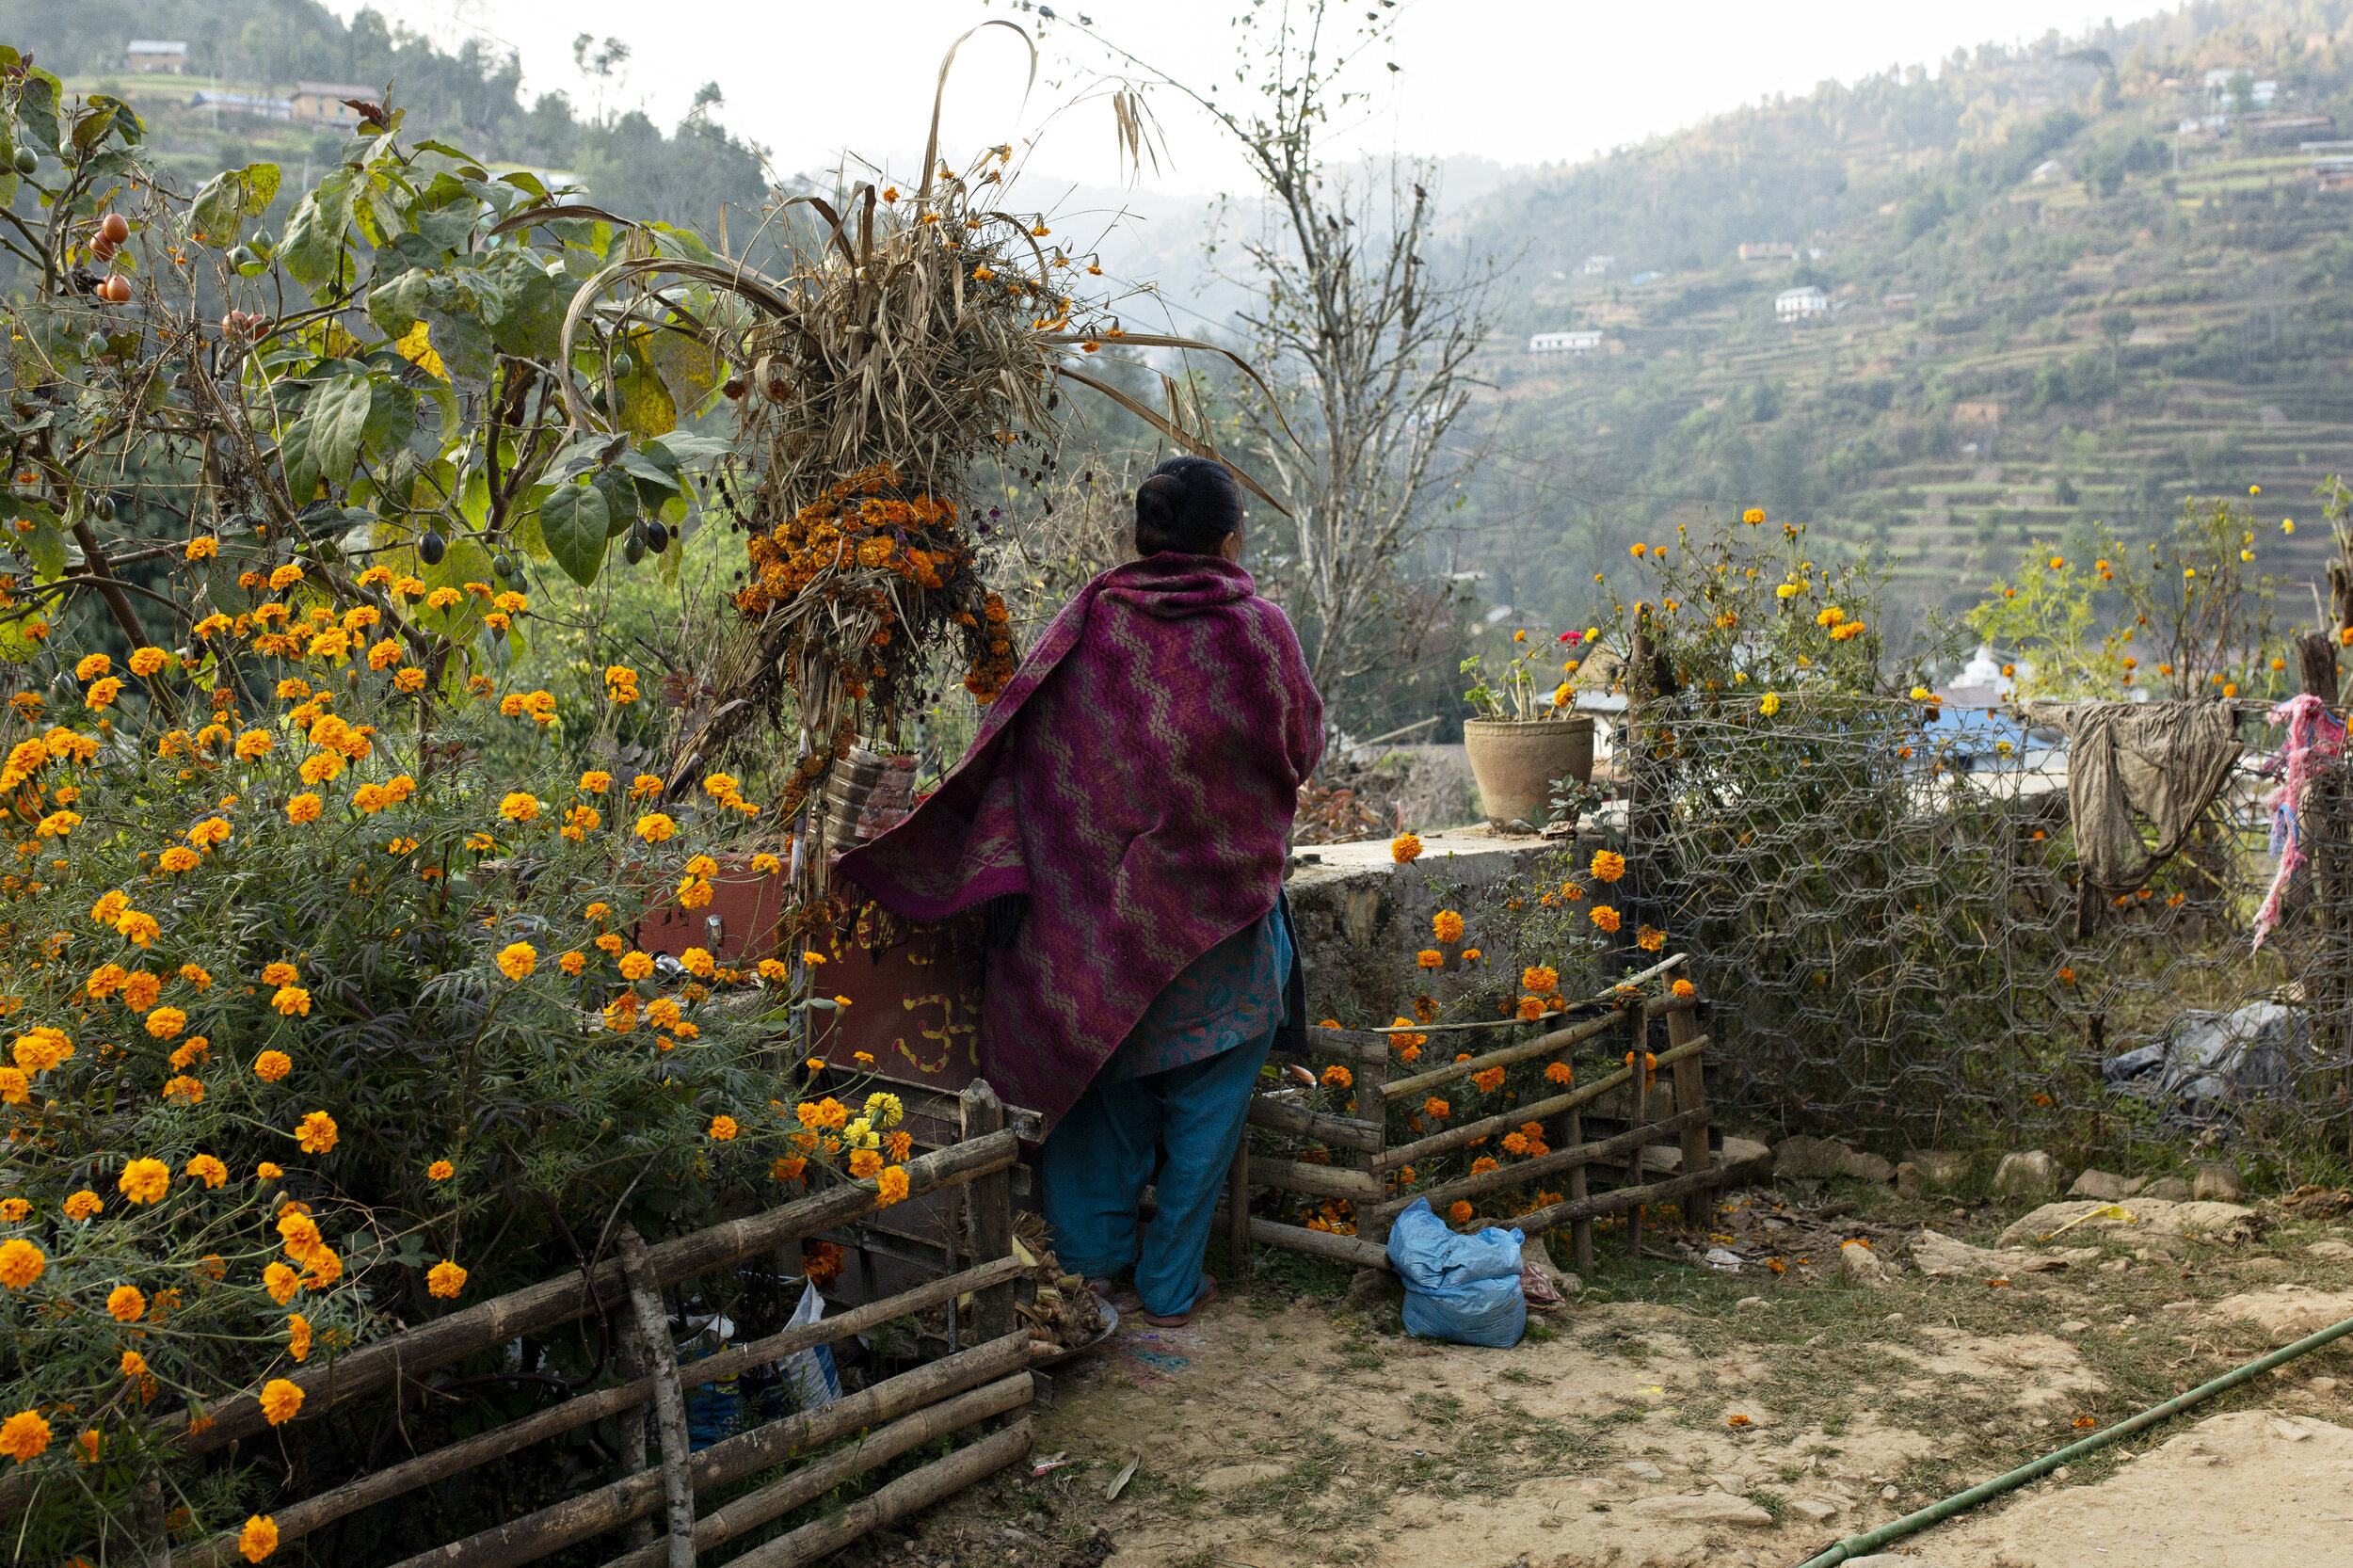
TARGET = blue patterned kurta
(1231,995)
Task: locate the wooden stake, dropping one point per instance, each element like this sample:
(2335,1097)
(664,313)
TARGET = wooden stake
(910,1493)
(669,1404)
(991,1197)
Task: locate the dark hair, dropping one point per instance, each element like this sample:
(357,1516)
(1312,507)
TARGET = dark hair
(1187,505)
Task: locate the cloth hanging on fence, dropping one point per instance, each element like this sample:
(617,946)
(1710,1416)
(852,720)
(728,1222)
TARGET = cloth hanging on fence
(2166,760)
(1127,802)
(2314,736)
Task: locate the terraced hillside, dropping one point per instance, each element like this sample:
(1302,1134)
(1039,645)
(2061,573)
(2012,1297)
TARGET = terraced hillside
(2059,289)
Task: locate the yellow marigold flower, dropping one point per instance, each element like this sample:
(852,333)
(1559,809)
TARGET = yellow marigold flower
(663,1013)
(20,1263)
(179,858)
(292,1002)
(891,1184)
(147,661)
(140,928)
(104,980)
(259,1538)
(410,679)
(280,1400)
(573,962)
(1650,940)
(272,1066)
(304,808)
(1430,958)
(268,1171)
(1786,590)
(1539,979)
(298,1338)
(84,1204)
(884,1108)
(1604,917)
(1609,865)
(164,1022)
(517,960)
(442,598)
(139,991)
(519,808)
(1447,925)
(144,1180)
(125,1305)
(644,786)
(656,827)
(91,666)
(1404,848)
(699,963)
(25,1436)
(285,577)
(1682,988)
(207,1169)
(317,1133)
(445,1279)
(596,783)
(767,865)
(132,1365)
(635,965)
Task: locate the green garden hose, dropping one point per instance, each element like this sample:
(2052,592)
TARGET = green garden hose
(1962,1502)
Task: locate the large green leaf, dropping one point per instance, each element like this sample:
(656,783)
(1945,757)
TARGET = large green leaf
(338,413)
(225,201)
(647,408)
(463,343)
(313,247)
(572,524)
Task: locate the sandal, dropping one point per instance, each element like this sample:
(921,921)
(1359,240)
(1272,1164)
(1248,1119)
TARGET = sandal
(1178,1320)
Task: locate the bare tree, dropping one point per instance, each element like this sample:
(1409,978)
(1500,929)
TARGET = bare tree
(1368,352)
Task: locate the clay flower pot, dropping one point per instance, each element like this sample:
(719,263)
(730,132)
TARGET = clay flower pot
(1515,762)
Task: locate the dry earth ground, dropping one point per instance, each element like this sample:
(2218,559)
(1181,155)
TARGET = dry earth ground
(1289,1426)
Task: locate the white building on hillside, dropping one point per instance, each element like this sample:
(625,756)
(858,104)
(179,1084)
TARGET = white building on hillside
(1797,304)
(1564,342)
(144,55)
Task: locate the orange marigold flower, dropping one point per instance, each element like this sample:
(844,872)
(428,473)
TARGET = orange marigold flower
(445,1279)
(1560,1072)
(84,1204)
(144,1180)
(1336,1077)
(1539,979)
(1609,865)
(272,1066)
(20,1263)
(1405,848)
(259,1538)
(893,1185)
(25,1436)
(1460,1212)
(1430,958)
(317,1133)
(440,1170)
(125,1304)
(1604,917)
(280,1400)
(1683,989)
(722,1128)
(1447,925)
(1650,940)
(1436,1108)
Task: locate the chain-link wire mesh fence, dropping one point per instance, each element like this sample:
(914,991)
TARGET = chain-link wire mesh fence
(1882,902)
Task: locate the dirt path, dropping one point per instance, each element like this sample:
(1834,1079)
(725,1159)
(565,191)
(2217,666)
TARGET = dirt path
(1699,1419)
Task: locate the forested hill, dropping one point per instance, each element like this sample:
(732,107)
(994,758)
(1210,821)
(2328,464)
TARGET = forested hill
(2064,284)
(472,96)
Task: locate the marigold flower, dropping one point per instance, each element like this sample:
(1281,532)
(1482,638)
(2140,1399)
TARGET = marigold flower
(292,1002)
(144,1180)
(1604,917)
(1488,1082)
(445,1279)
(722,1129)
(280,1400)
(282,1283)
(268,1170)
(891,1185)
(132,1365)
(185,1089)
(699,962)
(1404,848)
(1531,1009)
(259,1538)
(1650,940)
(517,960)
(164,1022)
(20,1263)
(25,1436)
(1460,1212)
(207,1169)
(299,1337)
(1336,1077)
(1682,988)
(304,808)
(1436,1108)
(147,661)
(572,962)
(1430,958)
(884,1108)
(125,1305)
(1560,1072)
(83,1205)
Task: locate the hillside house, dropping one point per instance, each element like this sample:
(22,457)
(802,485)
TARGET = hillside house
(322,102)
(252,103)
(1797,304)
(2046,171)
(1584,342)
(1595,265)
(1900,301)
(148,56)
(1769,251)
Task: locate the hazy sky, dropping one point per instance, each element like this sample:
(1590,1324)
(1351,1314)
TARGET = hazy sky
(1518,81)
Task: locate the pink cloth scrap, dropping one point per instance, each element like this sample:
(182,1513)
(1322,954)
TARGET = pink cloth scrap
(2315,737)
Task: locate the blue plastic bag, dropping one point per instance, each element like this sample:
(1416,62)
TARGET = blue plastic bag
(1465,1288)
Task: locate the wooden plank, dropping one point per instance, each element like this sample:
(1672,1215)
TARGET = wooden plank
(910,1494)
(1342,1132)
(1559,1159)
(991,1197)
(1639,1084)
(1349,1044)
(814,1480)
(301,1518)
(1544,1044)
(538,1307)
(1691,1084)
(1535,1111)
(1324,1181)
(551,1530)
(1610,1203)
(1319,1243)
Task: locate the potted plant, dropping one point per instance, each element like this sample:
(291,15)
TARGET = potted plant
(1526,736)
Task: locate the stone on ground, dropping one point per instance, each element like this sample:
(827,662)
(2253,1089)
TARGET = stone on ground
(2106,1186)
(1937,1254)
(2218,1184)
(1804,1157)
(2288,1311)
(1865,1166)
(2214,1221)
(2329,1249)
(1858,1265)
(2172,1189)
(2029,1174)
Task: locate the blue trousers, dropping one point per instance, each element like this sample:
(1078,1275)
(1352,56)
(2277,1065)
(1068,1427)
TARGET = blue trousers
(1100,1157)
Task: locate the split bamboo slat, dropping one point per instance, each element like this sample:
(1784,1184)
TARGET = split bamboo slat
(1368,1055)
(888,1419)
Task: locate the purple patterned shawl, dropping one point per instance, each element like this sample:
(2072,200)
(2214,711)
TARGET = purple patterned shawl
(1136,781)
